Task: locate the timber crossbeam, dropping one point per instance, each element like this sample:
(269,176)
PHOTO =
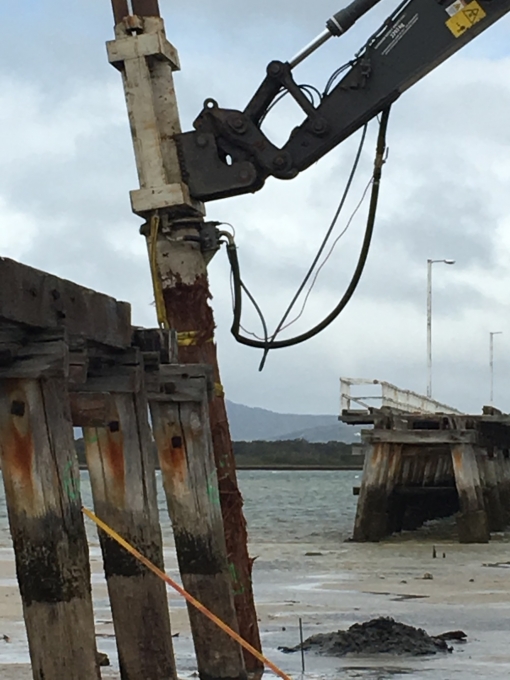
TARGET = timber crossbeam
(429,437)
(36,299)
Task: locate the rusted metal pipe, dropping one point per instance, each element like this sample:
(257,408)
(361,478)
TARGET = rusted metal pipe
(120,10)
(146,8)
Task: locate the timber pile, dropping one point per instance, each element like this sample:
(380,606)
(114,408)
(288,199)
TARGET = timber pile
(70,357)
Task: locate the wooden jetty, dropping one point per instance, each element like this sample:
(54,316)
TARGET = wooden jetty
(426,463)
(70,357)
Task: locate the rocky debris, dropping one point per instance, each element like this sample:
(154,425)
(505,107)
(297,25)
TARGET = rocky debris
(456,635)
(383,635)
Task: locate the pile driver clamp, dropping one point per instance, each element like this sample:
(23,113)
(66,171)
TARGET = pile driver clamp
(228,153)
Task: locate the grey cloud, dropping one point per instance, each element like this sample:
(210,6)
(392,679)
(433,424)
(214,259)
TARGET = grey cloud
(86,231)
(438,223)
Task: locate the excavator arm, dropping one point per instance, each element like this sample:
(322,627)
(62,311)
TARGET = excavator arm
(228,153)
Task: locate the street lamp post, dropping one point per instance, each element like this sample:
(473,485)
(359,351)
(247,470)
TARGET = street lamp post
(429,321)
(492,334)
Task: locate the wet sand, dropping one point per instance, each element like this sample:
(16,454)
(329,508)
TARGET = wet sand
(344,584)
(293,513)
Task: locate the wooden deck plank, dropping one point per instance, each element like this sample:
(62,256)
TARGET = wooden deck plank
(34,298)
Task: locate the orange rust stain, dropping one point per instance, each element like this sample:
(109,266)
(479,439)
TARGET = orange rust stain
(457,457)
(113,456)
(173,460)
(18,455)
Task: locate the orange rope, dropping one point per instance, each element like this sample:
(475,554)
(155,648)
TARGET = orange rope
(235,636)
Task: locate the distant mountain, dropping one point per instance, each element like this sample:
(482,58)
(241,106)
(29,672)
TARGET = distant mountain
(251,424)
(339,432)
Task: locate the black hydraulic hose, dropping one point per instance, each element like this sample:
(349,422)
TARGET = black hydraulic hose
(259,312)
(323,244)
(234,263)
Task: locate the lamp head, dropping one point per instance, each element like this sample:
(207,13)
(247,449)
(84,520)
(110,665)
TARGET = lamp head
(449,261)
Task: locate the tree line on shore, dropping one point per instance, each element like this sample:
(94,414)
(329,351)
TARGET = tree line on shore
(295,452)
(282,453)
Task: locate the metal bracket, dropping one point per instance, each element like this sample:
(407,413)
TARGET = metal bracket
(209,240)
(143,45)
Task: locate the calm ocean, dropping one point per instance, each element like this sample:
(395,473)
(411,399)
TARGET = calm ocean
(290,507)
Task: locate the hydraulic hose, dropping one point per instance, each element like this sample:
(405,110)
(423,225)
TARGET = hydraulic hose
(303,337)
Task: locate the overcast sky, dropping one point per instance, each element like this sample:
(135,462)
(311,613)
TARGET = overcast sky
(67,165)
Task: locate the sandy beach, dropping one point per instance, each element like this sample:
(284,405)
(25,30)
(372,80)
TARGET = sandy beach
(330,584)
(330,591)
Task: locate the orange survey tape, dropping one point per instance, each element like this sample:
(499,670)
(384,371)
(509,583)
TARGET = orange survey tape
(113,534)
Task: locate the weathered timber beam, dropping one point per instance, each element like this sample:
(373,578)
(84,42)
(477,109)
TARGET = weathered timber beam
(417,437)
(34,298)
(499,419)
(356,417)
(35,354)
(116,372)
(183,382)
(153,340)
(94,409)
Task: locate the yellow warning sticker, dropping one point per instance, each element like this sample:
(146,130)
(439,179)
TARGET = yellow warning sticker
(468,16)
